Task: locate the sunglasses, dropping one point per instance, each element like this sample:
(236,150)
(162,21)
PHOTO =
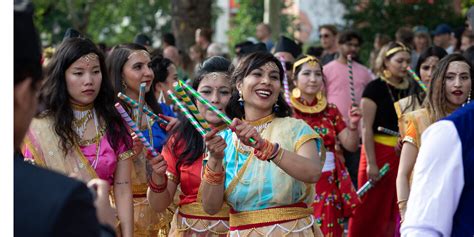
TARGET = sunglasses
(324,36)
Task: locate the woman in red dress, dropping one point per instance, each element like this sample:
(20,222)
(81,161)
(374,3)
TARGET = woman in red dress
(335,195)
(186,155)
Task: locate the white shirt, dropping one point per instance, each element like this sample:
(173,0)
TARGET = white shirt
(438,181)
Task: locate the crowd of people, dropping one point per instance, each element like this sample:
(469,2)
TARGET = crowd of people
(316,144)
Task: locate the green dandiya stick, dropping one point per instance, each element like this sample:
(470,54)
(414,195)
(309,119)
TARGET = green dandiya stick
(417,79)
(201,99)
(132,103)
(186,113)
(184,97)
(370,183)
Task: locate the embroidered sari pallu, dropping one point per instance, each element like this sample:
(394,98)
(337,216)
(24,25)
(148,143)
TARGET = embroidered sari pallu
(264,199)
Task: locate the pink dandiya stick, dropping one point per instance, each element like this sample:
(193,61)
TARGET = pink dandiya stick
(351,80)
(135,129)
(132,103)
(286,87)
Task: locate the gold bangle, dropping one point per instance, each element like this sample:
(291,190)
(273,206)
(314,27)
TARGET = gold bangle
(280,157)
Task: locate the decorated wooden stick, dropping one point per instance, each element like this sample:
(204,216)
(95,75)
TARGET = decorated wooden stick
(417,79)
(351,79)
(370,183)
(286,88)
(187,113)
(388,131)
(184,97)
(141,95)
(207,104)
(132,103)
(135,129)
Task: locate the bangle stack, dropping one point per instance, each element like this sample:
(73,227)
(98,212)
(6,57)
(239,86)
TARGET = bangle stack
(213,178)
(158,188)
(268,151)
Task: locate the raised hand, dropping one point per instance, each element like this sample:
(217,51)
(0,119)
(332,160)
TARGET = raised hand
(215,144)
(245,131)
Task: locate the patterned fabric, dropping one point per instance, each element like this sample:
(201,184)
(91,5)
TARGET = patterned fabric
(335,195)
(328,123)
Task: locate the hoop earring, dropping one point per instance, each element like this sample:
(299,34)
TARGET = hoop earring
(241,100)
(161,98)
(124,85)
(387,74)
(296,92)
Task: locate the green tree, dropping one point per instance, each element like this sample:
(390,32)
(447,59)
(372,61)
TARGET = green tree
(111,22)
(387,17)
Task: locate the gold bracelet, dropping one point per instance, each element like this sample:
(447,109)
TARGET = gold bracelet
(280,156)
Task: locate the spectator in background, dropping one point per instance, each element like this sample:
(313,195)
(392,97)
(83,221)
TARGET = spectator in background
(214,49)
(203,38)
(172,53)
(405,35)
(456,38)
(442,37)
(264,34)
(467,40)
(421,42)
(143,40)
(167,40)
(287,50)
(469,54)
(337,84)
(328,36)
(196,54)
(379,41)
(71,33)
(470,19)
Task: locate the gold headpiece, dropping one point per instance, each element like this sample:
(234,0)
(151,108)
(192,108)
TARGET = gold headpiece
(88,58)
(311,59)
(214,75)
(270,66)
(395,50)
(144,52)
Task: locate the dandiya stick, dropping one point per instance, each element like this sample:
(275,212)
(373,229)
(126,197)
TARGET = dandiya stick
(187,114)
(135,129)
(141,96)
(209,105)
(286,88)
(417,79)
(132,103)
(388,131)
(370,183)
(351,79)
(184,97)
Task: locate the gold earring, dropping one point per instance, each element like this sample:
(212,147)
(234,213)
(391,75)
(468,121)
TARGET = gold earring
(319,95)
(124,85)
(296,93)
(387,74)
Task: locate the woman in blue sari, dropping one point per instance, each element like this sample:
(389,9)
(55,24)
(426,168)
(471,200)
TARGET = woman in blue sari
(269,184)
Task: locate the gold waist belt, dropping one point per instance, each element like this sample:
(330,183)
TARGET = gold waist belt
(270,215)
(196,209)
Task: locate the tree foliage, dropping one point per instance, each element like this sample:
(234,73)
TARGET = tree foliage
(111,22)
(377,16)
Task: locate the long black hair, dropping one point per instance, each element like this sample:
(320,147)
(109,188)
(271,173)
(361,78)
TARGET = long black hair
(115,62)
(56,97)
(159,65)
(185,135)
(245,66)
(417,93)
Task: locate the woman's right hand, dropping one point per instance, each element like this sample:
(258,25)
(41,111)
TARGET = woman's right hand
(373,172)
(158,165)
(245,131)
(215,144)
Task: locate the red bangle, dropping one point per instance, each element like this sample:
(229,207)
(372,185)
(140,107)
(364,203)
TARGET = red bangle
(158,188)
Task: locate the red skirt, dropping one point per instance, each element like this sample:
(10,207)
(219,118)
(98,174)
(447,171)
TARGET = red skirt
(335,199)
(378,213)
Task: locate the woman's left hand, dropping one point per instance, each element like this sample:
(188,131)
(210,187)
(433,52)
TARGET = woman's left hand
(215,144)
(354,116)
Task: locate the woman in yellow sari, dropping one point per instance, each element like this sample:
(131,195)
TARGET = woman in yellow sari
(269,184)
(449,89)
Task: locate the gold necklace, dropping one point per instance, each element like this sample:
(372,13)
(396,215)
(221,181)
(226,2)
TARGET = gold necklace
(82,115)
(310,109)
(260,125)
